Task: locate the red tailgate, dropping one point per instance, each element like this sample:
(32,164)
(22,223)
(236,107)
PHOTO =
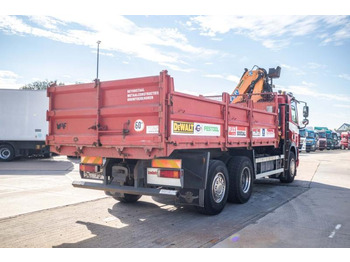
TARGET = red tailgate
(113,118)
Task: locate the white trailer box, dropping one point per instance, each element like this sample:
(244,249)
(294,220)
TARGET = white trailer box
(23,125)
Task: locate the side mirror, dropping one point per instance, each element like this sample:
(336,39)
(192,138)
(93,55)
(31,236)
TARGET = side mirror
(305,111)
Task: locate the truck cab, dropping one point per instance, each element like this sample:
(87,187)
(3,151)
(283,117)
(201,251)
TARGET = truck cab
(322,140)
(330,142)
(336,141)
(310,141)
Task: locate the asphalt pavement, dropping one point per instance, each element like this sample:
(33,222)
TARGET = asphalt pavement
(319,217)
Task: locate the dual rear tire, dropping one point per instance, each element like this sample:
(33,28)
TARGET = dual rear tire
(233,183)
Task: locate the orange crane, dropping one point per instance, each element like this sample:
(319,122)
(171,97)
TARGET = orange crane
(254,82)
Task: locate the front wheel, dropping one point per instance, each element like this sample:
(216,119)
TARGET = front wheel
(216,192)
(7,153)
(292,170)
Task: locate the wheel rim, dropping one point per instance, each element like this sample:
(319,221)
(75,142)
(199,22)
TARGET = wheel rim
(292,167)
(5,153)
(219,187)
(246,180)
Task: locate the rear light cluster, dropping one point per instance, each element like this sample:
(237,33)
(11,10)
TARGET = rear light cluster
(168,168)
(170,173)
(89,168)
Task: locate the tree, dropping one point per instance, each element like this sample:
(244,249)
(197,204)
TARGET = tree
(40,85)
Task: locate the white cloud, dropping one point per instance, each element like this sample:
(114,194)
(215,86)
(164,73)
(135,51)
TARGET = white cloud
(342,106)
(293,69)
(231,78)
(313,65)
(308,84)
(116,34)
(8,80)
(274,32)
(344,76)
(102,53)
(310,89)
(47,22)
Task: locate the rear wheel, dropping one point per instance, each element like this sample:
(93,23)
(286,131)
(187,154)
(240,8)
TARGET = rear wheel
(127,198)
(292,170)
(129,181)
(216,192)
(241,179)
(7,153)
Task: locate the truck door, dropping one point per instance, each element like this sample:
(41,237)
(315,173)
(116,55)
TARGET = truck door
(294,123)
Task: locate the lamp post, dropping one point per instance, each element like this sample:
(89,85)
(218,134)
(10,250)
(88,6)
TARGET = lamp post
(98,54)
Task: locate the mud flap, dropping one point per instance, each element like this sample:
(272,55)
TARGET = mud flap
(195,165)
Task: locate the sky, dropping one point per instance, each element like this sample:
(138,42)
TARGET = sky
(206,53)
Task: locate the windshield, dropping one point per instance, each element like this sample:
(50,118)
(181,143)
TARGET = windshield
(328,135)
(310,134)
(322,135)
(302,132)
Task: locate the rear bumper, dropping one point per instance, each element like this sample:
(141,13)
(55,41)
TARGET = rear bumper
(125,189)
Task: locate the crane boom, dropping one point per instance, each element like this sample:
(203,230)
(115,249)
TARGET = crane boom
(254,82)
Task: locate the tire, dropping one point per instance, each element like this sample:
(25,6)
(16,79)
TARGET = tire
(216,192)
(241,179)
(127,198)
(292,170)
(7,153)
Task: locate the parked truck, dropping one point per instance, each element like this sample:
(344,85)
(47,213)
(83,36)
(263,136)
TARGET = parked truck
(336,140)
(310,142)
(321,138)
(23,126)
(345,140)
(141,137)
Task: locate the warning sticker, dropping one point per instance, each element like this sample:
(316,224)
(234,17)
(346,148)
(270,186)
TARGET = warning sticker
(152,129)
(264,132)
(256,132)
(270,132)
(139,125)
(237,131)
(139,94)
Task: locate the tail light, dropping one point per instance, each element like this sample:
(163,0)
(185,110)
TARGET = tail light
(89,168)
(170,173)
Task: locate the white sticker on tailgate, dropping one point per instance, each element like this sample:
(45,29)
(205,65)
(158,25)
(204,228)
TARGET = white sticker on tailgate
(152,129)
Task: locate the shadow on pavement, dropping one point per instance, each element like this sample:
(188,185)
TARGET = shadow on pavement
(161,224)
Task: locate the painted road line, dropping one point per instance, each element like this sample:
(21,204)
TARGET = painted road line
(337,227)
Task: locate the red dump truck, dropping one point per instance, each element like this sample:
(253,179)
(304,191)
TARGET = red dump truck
(141,137)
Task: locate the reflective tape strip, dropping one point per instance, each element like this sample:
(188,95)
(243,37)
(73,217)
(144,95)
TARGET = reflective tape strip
(94,160)
(167,163)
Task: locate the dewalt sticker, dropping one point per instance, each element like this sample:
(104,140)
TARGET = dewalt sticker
(182,127)
(195,129)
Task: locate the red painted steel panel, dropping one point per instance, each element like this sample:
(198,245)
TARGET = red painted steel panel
(144,118)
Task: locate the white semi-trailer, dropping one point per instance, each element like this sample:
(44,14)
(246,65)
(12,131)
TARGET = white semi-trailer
(23,126)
